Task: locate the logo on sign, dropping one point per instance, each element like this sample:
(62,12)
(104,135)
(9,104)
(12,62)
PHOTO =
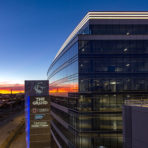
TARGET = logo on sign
(34,110)
(40,101)
(40,110)
(39,117)
(39,88)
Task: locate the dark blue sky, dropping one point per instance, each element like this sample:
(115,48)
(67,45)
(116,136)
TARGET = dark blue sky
(32,31)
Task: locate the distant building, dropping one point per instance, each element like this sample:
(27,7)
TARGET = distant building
(135,129)
(103,62)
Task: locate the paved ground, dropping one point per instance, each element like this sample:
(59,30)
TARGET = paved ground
(20,141)
(8,127)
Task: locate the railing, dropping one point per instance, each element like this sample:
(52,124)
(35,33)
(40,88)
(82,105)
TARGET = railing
(141,103)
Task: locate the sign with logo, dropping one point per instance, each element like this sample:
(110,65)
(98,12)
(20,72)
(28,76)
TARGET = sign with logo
(39,110)
(40,101)
(40,124)
(39,116)
(37,104)
(37,88)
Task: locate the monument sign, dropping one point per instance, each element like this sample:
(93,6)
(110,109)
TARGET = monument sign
(37,112)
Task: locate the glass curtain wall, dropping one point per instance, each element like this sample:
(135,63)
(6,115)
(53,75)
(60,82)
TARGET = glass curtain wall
(63,79)
(63,73)
(122,29)
(110,72)
(92,79)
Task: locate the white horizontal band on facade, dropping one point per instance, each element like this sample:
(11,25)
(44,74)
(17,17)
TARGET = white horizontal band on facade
(102,15)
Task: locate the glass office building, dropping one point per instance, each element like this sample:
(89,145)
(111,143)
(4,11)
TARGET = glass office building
(102,63)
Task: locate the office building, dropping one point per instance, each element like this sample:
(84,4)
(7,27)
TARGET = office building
(135,124)
(103,62)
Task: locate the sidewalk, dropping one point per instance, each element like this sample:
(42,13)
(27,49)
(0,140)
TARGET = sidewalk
(20,141)
(6,129)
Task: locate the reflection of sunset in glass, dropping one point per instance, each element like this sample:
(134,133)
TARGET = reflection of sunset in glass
(63,90)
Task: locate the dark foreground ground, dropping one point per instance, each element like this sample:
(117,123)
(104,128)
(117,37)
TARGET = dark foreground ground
(19,141)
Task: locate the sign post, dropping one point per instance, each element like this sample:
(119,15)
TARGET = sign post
(37,113)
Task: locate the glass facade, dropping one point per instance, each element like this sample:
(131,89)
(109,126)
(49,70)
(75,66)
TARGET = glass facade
(90,80)
(111,71)
(63,74)
(116,29)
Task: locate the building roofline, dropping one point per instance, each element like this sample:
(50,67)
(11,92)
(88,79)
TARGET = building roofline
(103,15)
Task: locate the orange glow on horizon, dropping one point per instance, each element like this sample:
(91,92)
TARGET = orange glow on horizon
(9,91)
(64,89)
(8,88)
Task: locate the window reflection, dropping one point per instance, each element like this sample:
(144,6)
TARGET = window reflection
(93,79)
(113,47)
(119,29)
(64,56)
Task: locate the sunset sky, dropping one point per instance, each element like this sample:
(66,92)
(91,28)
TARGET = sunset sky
(32,31)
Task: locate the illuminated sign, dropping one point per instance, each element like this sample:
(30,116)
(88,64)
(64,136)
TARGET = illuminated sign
(40,110)
(42,124)
(37,88)
(37,105)
(40,101)
(39,116)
